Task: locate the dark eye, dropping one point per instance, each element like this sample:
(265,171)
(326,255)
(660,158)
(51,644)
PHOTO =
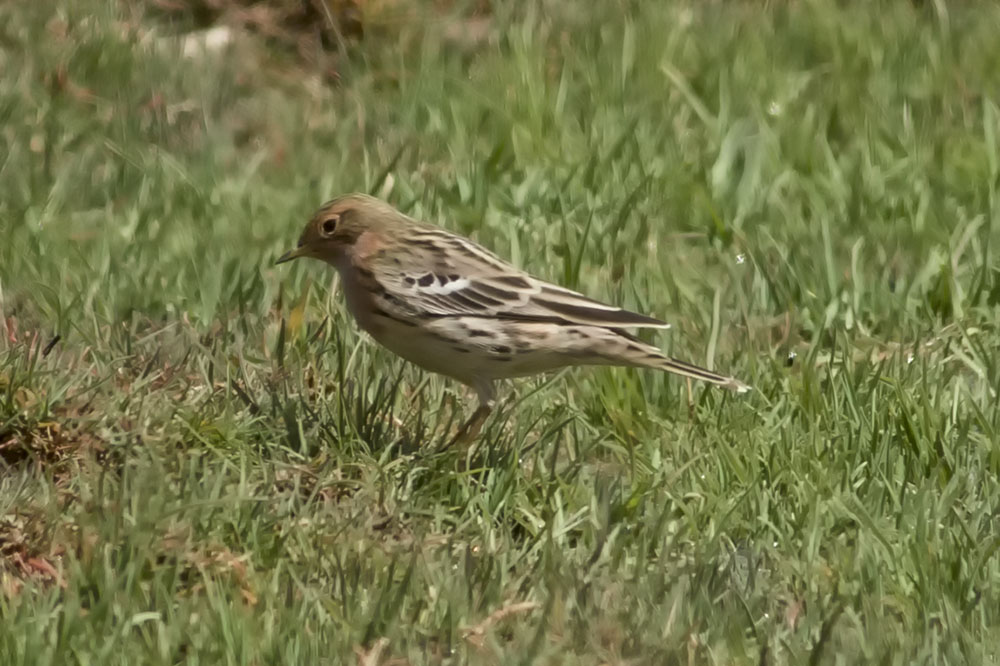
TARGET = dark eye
(329,225)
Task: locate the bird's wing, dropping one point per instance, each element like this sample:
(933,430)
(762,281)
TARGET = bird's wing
(446,275)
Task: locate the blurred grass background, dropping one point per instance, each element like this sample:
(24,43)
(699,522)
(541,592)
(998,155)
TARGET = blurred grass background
(201,460)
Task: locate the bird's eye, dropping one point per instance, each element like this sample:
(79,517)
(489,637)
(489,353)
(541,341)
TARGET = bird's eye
(329,225)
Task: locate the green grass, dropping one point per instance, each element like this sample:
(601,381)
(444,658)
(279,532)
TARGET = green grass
(211,464)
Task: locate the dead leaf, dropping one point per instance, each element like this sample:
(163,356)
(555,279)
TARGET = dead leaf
(39,565)
(372,656)
(476,634)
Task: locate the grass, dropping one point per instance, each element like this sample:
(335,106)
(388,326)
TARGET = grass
(202,461)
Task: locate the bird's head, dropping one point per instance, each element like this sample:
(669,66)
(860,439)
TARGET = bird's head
(335,228)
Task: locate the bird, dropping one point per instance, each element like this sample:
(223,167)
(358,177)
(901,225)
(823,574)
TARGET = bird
(450,306)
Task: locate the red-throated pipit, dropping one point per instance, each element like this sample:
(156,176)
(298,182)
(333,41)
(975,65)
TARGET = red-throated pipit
(452,307)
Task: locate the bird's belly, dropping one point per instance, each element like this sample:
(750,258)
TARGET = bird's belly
(471,348)
(406,336)
(467,349)
(424,348)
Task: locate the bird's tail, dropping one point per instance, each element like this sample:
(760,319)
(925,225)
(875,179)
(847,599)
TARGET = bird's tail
(614,346)
(640,354)
(694,372)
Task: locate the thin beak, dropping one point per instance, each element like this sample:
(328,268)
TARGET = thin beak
(291,254)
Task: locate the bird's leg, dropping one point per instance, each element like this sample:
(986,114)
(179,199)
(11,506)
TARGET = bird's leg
(470,429)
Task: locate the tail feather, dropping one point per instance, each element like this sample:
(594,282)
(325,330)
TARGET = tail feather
(693,371)
(640,354)
(614,346)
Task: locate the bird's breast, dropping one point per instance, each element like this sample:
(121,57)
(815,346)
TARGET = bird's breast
(359,295)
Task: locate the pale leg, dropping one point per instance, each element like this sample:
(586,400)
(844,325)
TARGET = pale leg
(470,429)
